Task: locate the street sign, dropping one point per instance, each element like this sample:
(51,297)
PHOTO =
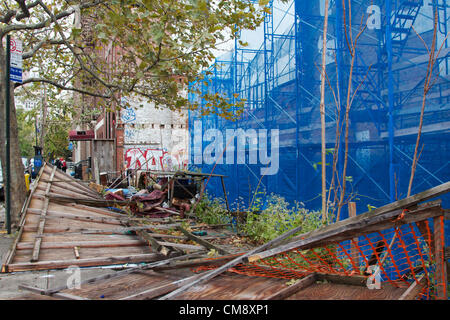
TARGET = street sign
(16,61)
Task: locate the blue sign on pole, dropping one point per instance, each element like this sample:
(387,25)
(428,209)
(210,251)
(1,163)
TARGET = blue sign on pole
(16,61)
(15,74)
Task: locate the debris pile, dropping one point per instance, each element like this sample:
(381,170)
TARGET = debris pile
(152,226)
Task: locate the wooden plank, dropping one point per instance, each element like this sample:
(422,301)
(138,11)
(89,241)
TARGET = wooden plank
(180,245)
(441,266)
(68,296)
(59,190)
(96,210)
(211,274)
(118,231)
(147,238)
(73,216)
(414,289)
(37,243)
(90,202)
(391,207)
(415,216)
(99,231)
(61,264)
(354,280)
(65,296)
(354,254)
(12,251)
(335,232)
(83,244)
(159,291)
(63,176)
(123,272)
(299,285)
(196,263)
(166,210)
(204,243)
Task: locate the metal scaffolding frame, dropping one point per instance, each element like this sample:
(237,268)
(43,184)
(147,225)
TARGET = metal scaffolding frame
(279,82)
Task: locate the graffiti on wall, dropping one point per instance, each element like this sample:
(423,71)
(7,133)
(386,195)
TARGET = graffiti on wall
(155,159)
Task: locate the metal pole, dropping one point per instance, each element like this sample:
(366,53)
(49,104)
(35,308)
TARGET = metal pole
(8,138)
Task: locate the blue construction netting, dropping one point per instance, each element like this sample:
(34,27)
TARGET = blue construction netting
(278,76)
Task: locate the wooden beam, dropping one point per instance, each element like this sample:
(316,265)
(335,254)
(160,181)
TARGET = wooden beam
(180,245)
(65,296)
(61,176)
(89,202)
(12,251)
(68,296)
(62,264)
(391,207)
(60,215)
(415,216)
(354,254)
(67,190)
(342,230)
(441,266)
(120,273)
(348,280)
(120,231)
(82,244)
(414,289)
(195,263)
(292,289)
(147,238)
(159,291)
(204,243)
(57,230)
(211,274)
(40,231)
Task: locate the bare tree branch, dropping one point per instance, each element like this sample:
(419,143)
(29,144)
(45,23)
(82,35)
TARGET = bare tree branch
(63,87)
(42,24)
(30,53)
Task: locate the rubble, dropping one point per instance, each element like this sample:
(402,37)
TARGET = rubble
(174,255)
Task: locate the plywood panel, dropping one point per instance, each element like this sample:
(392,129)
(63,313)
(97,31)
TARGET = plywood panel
(334,291)
(61,219)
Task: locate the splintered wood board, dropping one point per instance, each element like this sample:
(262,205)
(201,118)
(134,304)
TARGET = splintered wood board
(227,286)
(224,287)
(56,249)
(334,291)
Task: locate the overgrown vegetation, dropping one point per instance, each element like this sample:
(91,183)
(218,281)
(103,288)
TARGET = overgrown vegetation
(269,217)
(212,210)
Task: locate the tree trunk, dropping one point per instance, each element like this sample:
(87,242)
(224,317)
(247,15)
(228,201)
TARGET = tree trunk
(44,117)
(18,189)
(322,116)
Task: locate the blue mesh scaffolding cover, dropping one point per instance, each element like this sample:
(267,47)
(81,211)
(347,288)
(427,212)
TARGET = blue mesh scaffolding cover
(280,82)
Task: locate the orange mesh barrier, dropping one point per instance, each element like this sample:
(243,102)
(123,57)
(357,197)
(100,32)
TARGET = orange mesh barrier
(408,260)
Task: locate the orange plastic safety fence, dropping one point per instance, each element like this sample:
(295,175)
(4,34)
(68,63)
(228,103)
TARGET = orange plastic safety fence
(408,259)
